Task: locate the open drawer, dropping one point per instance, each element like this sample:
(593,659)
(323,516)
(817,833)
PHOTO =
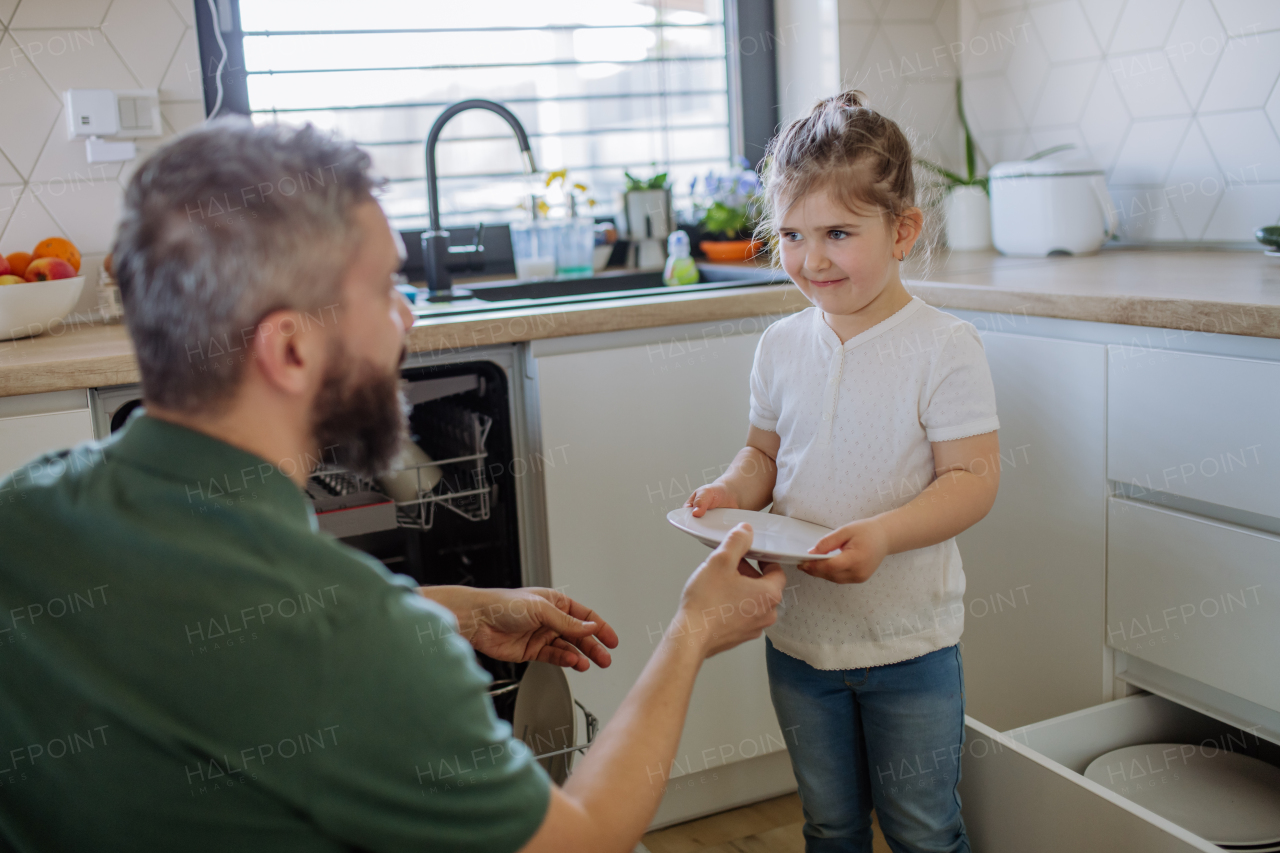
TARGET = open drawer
(1024,791)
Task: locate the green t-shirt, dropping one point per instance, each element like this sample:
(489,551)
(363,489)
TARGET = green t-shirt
(187,664)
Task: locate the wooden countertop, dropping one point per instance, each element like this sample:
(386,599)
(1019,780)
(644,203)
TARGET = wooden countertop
(1211,291)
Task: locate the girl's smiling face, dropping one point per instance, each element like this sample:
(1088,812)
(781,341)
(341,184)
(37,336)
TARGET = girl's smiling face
(840,259)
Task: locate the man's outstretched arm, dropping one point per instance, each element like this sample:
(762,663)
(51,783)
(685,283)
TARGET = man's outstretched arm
(615,789)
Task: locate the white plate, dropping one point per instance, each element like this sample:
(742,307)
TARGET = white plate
(1224,797)
(778,539)
(544,718)
(33,308)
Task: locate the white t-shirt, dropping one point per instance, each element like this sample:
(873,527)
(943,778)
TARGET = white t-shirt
(856,421)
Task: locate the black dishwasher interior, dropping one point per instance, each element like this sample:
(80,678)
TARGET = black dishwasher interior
(457,524)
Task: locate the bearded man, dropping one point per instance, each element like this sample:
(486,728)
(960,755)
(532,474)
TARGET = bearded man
(187,664)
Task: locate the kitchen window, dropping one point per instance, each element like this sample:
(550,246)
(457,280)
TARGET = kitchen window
(602,86)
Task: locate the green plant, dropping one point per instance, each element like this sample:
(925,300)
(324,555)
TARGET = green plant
(951,180)
(729,204)
(657,182)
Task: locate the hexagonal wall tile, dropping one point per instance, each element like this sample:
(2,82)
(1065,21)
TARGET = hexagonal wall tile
(9,195)
(922,52)
(29,224)
(1243,17)
(1195,183)
(1244,144)
(146,34)
(59,14)
(24,93)
(183,81)
(70,59)
(1143,25)
(910,10)
(1246,73)
(1145,214)
(1148,151)
(1147,83)
(1194,46)
(1028,67)
(87,212)
(1065,31)
(183,115)
(1066,89)
(990,105)
(989,46)
(8,174)
(63,161)
(185,10)
(1273,110)
(1103,16)
(1105,120)
(1244,209)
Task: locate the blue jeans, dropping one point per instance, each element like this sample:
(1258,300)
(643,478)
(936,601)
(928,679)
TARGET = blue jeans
(886,736)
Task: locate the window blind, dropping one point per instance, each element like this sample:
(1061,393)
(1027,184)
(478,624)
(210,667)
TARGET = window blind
(601,86)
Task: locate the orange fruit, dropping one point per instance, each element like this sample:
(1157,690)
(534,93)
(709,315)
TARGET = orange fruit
(18,262)
(58,247)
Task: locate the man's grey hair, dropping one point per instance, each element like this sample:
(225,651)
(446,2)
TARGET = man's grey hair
(221,227)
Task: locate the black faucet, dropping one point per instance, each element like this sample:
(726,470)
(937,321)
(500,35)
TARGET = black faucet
(437,255)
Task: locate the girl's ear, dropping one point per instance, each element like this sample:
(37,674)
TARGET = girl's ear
(910,226)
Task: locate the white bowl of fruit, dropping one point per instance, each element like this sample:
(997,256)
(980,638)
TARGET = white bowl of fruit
(39,288)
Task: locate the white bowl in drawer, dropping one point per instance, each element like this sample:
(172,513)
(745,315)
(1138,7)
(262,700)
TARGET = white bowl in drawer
(1025,790)
(31,309)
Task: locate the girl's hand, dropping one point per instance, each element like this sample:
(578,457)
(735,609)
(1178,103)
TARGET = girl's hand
(713,496)
(863,545)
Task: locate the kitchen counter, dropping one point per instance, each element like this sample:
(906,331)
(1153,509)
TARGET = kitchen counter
(1209,291)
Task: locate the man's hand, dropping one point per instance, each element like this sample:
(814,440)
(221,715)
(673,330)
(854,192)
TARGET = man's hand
(712,496)
(528,624)
(727,602)
(863,545)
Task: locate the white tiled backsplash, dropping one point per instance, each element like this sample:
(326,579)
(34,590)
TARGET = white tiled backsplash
(1176,99)
(47,187)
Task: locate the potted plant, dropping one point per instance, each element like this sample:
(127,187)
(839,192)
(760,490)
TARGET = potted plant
(967,209)
(727,211)
(646,206)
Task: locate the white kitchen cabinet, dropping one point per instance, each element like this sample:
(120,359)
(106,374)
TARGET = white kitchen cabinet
(1195,425)
(1035,566)
(33,424)
(1195,596)
(629,431)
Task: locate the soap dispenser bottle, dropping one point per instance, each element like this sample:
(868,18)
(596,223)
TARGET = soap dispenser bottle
(680,267)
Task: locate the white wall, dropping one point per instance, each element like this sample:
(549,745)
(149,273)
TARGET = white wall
(1176,99)
(47,187)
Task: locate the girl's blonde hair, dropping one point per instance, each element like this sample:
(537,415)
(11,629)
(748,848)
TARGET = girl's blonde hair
(859,156)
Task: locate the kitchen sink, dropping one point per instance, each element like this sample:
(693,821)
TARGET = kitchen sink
(612,284)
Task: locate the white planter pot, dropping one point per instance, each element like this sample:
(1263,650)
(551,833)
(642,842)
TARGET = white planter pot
(968,218)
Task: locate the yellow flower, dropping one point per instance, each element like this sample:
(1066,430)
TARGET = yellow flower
(558,174)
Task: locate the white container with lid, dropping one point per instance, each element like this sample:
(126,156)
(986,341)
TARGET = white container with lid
(1054,205)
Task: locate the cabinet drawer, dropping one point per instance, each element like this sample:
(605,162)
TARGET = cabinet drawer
(1194,596)
(1024,790)
(24,438)
(1199,426)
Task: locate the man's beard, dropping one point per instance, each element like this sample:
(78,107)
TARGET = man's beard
(360,416)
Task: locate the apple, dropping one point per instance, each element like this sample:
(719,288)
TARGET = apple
(5,269)
(47,269)
(12,279)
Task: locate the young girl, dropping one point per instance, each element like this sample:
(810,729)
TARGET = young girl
(874,414)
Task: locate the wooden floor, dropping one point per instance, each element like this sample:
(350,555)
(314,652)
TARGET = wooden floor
(772,826)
